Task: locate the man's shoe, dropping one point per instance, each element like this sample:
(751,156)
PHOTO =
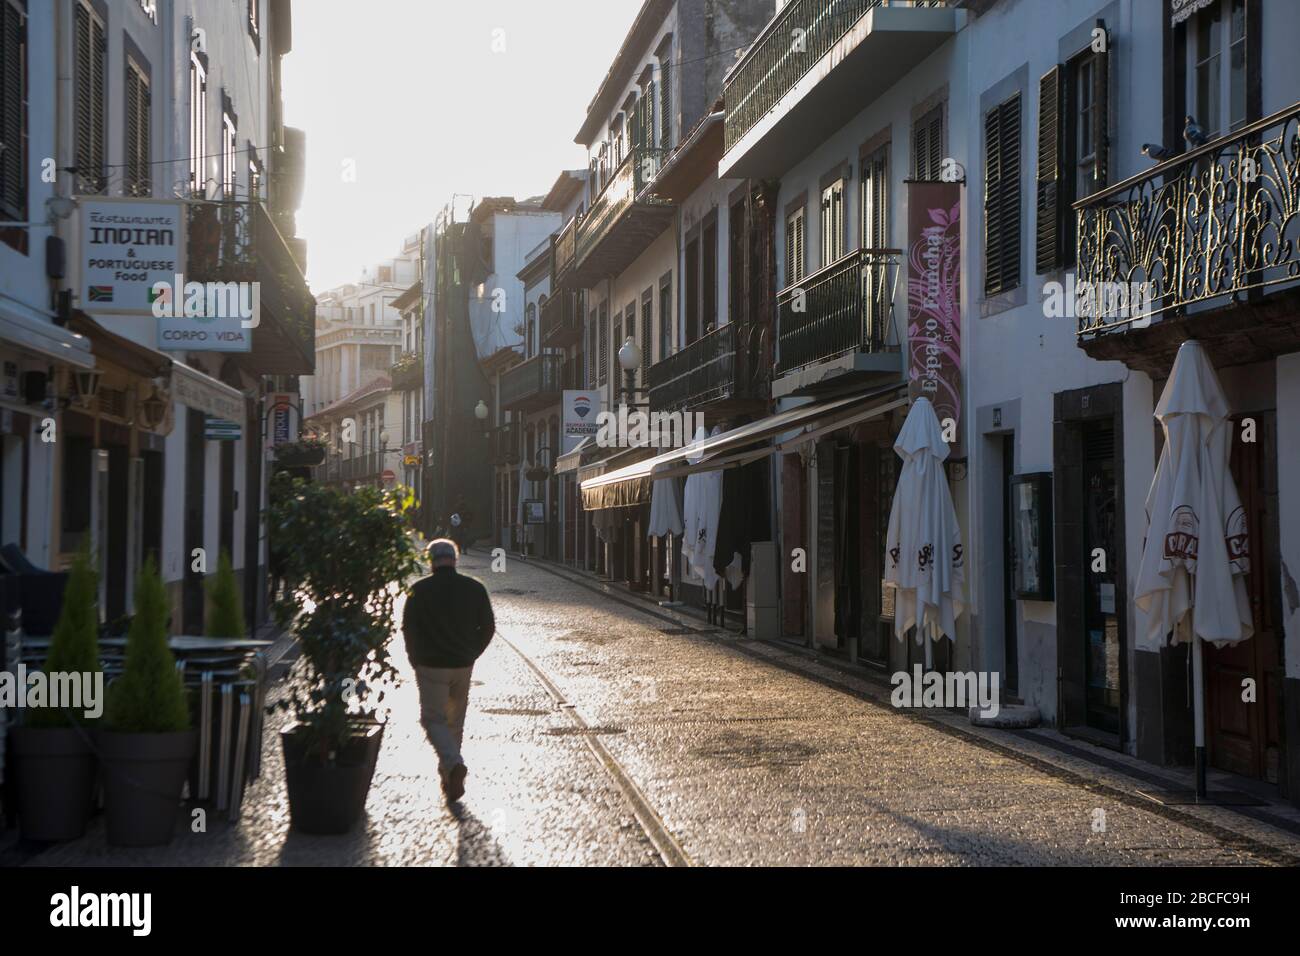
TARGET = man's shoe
(454,787)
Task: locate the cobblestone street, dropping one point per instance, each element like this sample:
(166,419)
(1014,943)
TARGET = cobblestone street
(604,732)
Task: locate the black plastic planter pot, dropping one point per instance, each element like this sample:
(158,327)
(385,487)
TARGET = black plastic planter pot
(143,776)
(329,798)
(55,772)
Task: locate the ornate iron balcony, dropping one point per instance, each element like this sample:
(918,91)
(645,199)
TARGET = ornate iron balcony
(565,248)
(237,241)
(562,319)
(847,306)
(1218,223)
(533,383)
(637,170)
(705,371)
(781,57)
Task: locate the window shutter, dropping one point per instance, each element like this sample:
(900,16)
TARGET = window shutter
(1002,197)
(602,367)
(645,339)
(1051,211)
(1101,116)
(665,104)
(138,182)
(98,105)
(927,145)
(13,157)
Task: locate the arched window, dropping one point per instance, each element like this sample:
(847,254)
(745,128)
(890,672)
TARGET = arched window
(530,328)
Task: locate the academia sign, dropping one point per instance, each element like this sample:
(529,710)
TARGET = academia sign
(128,245)
(934,295)
(581,411)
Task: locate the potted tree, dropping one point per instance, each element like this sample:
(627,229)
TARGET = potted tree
(147,743)
(54,749)
(344,558)
(227,610)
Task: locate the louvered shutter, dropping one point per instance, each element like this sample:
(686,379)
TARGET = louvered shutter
(602,367)
(1002,197)
(645,338)
(592,352)
(1101,116)
(99,45)
(89,100)
(1051,208)
(13,156)
(927,145)
(665,104)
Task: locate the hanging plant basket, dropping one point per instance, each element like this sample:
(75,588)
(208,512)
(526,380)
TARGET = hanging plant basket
(300,455)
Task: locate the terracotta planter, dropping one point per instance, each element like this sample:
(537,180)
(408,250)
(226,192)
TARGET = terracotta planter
(55,770)
(329,798)
(143,778)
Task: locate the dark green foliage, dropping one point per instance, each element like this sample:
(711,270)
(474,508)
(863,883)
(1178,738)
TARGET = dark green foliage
(227,617)
(344,557)
(74,646)
(149,697)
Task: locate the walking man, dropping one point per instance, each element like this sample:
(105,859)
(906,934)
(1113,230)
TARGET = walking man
(448,623)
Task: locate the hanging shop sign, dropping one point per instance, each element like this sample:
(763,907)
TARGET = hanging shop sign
(934,299)
(127,247)
(220,429)
(581,409)
(281,423)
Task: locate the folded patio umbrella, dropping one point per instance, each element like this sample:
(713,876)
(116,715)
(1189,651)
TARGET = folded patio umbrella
(665,508)
(1191,581)
(924,558)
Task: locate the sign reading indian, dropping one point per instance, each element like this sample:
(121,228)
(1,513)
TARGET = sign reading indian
(934,299)
(127,245)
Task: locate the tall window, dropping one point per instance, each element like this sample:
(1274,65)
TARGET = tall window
(1002,197)
(13,110)
(615,344)
(137,131)
(665,315)
(198,123)
(229,136)
(1218,74)
(90,83)
(875,229)
(794,256)
(832,222)
(647,325)
(530,329)
(709,277)
(927,145)
(254,174)
(664,55)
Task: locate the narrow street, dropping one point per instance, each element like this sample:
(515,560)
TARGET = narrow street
(602,732)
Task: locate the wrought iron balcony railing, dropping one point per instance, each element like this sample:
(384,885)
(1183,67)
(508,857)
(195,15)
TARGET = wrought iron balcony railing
(505,444)
(565,249)
(638,170)
(237,241)
(706,370)
(535,382)
(407,373)
(1219,222)
(846,307)
(790,46)
(562,319)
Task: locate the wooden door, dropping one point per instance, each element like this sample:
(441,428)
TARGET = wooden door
(794,584)
(1242,735)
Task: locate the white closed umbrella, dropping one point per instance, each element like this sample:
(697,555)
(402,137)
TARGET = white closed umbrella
(1191,581)
(665,508)
(924,560)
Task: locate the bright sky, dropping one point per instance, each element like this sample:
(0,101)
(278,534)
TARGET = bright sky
(414,94)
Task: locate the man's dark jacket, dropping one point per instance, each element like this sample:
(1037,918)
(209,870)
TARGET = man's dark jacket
(448,620)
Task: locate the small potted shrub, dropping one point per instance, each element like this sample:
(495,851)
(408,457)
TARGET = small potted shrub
(345,555)
(54,749)
(147,743)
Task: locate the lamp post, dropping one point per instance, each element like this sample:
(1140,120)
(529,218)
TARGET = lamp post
(629,359)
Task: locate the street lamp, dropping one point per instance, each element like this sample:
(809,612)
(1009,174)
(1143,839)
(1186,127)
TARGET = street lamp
(629,357)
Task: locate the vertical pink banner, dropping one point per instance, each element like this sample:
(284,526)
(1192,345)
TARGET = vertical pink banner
(934,296)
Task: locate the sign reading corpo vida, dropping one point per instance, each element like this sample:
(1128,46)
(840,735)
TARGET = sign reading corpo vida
(934,296)
(581,409)
(127,246)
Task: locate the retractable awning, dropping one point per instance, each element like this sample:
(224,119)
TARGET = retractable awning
(571,460)
(631,485)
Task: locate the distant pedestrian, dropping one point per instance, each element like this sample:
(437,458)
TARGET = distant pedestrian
(448,624)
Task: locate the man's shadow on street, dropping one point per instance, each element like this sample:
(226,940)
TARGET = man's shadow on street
(475,844)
